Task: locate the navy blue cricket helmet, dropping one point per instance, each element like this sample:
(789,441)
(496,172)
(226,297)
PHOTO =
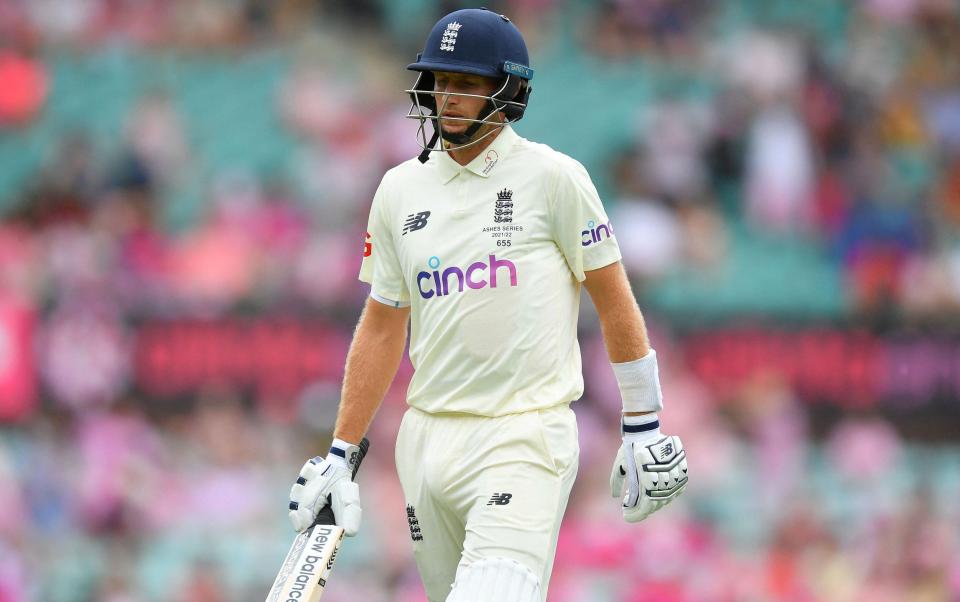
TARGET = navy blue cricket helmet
(477,42)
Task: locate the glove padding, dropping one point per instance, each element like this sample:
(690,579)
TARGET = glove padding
(321,483)
(655,472)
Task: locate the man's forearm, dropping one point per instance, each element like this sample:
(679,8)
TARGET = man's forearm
(372,362)
(621,323)
(625,337)
(624,333)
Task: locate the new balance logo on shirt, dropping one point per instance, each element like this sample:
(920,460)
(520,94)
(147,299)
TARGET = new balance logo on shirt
(500,499)
(415,221)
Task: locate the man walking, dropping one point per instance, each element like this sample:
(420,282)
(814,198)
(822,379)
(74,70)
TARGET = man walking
(481,244)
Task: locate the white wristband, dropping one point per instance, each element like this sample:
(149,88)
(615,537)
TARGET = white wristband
(639,382)
(338,453)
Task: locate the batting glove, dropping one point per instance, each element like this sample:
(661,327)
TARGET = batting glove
(324,481)
(650,470)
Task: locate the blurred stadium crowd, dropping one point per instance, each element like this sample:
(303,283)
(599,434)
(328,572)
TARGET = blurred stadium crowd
(184,187)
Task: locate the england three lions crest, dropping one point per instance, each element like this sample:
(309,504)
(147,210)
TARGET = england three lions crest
(503,210)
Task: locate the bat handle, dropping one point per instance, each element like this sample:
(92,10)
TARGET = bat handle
(325,516)
(364,447)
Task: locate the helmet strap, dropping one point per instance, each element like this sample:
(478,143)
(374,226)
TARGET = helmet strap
(425,155)
(464,137)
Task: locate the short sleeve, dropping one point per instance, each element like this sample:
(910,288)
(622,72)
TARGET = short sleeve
(381,266)
(581,228)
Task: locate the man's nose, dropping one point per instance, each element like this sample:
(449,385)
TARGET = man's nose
(447,102)
(450,96)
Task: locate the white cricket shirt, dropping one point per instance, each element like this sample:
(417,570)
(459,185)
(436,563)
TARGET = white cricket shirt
(490,257)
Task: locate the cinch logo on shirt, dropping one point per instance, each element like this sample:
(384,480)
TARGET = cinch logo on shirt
(594,234)
(478,275)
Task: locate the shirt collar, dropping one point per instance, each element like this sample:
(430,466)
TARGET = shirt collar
(484,163)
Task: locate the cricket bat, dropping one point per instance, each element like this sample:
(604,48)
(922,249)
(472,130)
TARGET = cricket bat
(307,567)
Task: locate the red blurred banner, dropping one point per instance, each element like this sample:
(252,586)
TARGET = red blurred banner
(845,368)
(18,386)
(278,358)
(275,357)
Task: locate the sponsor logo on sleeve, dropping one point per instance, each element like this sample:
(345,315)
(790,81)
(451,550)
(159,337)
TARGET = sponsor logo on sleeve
(595,233)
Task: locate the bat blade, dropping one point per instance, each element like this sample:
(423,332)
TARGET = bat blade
(307,566)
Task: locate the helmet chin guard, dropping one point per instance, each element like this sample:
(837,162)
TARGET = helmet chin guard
(424,109)
(476,42)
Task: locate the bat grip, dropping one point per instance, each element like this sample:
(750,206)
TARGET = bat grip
(364,447)
(325,515)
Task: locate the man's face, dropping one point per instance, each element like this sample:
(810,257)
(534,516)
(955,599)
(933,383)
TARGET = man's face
(450,105)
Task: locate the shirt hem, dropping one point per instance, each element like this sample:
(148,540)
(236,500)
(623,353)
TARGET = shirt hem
(464,413)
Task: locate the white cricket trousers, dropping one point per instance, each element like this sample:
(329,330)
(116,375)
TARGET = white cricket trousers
(479,487)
